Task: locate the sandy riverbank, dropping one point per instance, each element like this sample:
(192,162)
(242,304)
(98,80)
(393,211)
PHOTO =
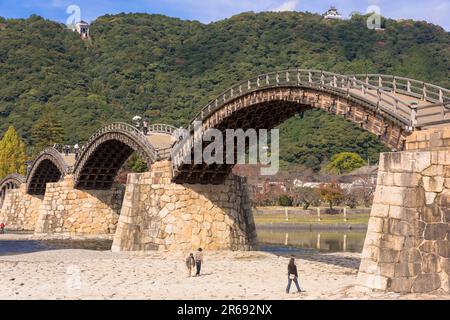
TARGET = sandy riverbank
(86,274)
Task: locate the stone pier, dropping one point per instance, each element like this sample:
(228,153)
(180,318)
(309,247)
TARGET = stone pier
(65,210)
(407,248)
(160,215)
(20,210)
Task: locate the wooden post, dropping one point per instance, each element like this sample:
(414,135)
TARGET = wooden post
(318,241)
(318,214)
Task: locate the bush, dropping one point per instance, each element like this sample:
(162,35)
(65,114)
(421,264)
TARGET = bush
(351,200)
(285,201)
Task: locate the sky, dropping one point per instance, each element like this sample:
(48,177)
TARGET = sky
(434,11)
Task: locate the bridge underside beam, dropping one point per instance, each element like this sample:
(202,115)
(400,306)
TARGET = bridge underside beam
(47,172)
(101,169)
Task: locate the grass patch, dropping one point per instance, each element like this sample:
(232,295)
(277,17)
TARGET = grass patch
(362,218)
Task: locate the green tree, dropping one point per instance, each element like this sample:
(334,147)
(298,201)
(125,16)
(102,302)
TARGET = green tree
(47,130)
(12,153)
(345,162)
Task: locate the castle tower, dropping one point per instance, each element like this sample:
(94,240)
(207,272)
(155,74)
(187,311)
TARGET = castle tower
(332,13)
(82,28)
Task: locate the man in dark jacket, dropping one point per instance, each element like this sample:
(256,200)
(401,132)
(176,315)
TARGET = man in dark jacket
(199,261)
(292,275)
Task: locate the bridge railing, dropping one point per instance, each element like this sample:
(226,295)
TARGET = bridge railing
(350,86)
(409,87)
(161,128)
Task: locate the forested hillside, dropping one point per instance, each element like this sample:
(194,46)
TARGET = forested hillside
(167,69)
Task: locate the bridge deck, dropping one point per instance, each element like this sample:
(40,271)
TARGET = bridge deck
(160,140)
(69,159)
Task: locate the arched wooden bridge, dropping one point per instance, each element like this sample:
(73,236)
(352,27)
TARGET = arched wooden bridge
(12,181)
(390,107)
(387,106)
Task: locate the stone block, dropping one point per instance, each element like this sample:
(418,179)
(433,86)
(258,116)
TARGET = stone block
(388,255)
(401,284)
(431,214)
(436,231)
(430,197)
(380,210)
(430,263)
(373,281)
(444,265)
(428,246)
(376,224)
(443,248)
(433,184)
(426,283)
(395,242)
(398,227)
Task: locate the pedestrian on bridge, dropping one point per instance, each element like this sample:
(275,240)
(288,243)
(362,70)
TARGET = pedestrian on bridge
(145,127)
(66,150)
(76,150)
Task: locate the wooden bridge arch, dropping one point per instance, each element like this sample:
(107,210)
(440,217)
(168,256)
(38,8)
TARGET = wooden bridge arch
(390,107)
(10,182)
(48,167)
(108,149)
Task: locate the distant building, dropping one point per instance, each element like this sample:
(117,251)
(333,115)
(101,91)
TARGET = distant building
(82,28)
(332,13)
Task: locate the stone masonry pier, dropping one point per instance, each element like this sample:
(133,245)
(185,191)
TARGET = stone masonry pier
(407,248)
(66,210)
(20,210)
(159,214)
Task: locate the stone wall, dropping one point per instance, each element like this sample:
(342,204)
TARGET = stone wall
(407,244)
(66,210)
(20,210)
(160,215)
(430,139)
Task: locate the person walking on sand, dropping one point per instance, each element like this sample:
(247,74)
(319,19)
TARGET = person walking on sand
(190,264)
(292,275)
(199,261)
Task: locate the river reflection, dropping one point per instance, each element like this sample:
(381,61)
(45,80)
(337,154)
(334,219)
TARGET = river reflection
(326,241)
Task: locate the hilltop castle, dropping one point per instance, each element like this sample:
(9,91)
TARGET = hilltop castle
(332,13)
(82,28)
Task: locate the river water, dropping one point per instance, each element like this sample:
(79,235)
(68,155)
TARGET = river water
(275,240)
(288,241)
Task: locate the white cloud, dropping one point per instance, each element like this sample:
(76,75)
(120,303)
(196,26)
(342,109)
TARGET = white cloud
(287,6)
